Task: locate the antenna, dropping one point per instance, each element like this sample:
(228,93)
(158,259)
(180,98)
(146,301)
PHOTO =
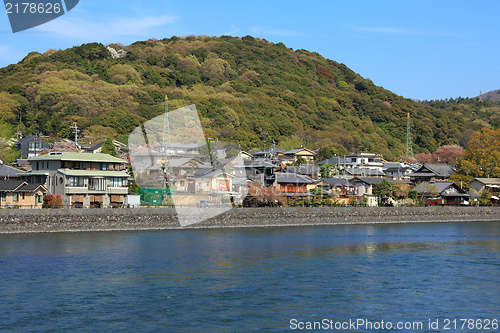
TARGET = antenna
(409,146)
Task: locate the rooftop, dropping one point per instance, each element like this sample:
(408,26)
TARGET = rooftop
(82,157)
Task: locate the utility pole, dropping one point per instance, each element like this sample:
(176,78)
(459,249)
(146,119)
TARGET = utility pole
(409,146)
(167,172)
(75,131)
(166,124)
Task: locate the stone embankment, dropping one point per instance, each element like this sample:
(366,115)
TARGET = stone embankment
(75,220)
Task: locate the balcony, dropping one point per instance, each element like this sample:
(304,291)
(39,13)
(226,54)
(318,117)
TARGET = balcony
(118,190)
(76,190)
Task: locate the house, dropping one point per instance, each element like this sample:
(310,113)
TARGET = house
(269,154)
(7,172)
(396,170)
(181,150)
(97,148)
(81,179)
(297,154)
(337,161)
(31,146)
(259,172)
(20,194)
(310,170)
(246,156)
(366,161)
(292,183)
(364,186)
(441,193)
(363,172)
(481,184)
(340,189)
(205,185)
(428,172)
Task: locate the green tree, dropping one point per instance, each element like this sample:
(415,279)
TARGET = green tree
(7,151)
(325,171)
(109,148)
(384,191)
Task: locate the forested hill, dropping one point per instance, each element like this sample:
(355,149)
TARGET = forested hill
(247,90)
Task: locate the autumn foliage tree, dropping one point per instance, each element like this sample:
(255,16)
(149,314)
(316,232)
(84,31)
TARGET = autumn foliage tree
(482,157)
(261,196)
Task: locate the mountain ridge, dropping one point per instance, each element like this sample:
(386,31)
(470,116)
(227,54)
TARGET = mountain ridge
(247,91)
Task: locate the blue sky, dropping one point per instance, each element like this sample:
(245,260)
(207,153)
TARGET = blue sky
(418,49)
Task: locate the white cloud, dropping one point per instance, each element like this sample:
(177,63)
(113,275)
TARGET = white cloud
(110,29)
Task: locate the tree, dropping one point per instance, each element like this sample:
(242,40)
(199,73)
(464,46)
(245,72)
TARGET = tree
(429,191)
(325,171)
(482,157)
(384,191)
(109,148)
(7,152)
(461,180)
(449,154)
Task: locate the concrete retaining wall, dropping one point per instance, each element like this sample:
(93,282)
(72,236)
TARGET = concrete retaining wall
(72,220)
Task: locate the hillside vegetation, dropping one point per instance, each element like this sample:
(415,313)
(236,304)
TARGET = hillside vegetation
(247,90)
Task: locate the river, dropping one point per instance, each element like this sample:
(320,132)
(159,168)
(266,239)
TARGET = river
(253,279)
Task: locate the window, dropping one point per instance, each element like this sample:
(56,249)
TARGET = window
(4,196)
(76,182)
(115,182)
(200,185)
(104,166)
(15,196)
(97,184)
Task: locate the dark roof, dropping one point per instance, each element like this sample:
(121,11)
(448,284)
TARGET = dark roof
(215,173)
(270,151)
(9,172)
(202,172)
(10,185)
(337,181)
(367,180)
(32,187)
(28,138)
(97,146)
(365,171)
(293,178)
(439,170)
(440,186)
(396,169)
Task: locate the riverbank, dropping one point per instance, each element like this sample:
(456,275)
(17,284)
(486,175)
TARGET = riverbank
(78,220)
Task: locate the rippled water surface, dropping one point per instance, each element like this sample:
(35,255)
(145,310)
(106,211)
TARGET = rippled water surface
(251,279)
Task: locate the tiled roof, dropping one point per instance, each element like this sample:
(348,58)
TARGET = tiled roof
(292,178)
(10,185)
(337,181)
